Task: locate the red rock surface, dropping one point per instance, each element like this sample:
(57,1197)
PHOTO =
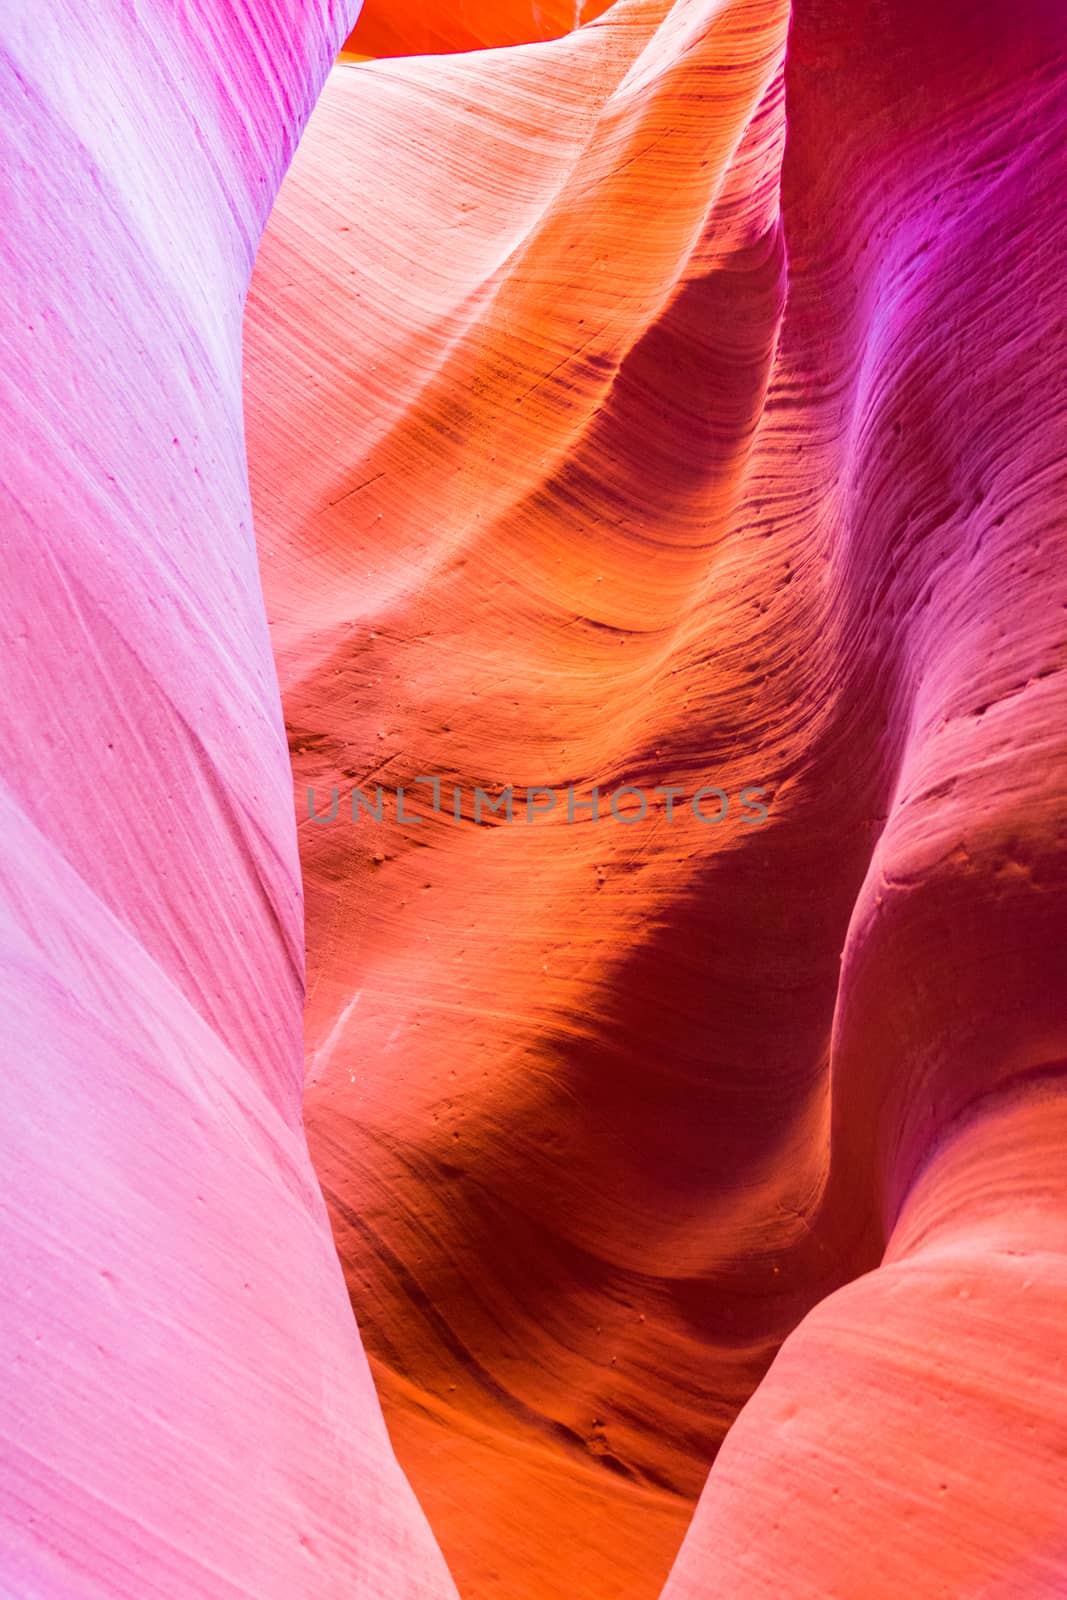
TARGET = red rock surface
(428,26)
(626,409)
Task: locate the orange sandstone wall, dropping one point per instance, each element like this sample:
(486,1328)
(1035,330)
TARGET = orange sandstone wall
(681,401)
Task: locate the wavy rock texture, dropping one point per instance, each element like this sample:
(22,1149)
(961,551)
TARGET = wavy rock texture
(602,431)
(186,1408)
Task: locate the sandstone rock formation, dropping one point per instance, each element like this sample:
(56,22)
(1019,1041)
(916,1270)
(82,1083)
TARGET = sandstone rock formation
(678,401)
(186,1410)
(682,401)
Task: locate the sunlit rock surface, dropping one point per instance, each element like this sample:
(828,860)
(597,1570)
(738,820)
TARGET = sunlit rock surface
(657,405)
(186,1411)
(385,28)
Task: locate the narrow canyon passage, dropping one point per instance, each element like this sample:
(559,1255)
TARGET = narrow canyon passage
(667,410)
(613,420)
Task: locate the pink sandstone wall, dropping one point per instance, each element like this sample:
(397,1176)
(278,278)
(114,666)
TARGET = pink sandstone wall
(186,1410)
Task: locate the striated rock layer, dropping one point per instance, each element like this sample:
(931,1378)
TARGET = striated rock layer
(681,402)
(186,1410)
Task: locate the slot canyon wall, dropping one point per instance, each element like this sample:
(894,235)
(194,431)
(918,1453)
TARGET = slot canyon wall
(681,401)
(186,1413)
(675,401)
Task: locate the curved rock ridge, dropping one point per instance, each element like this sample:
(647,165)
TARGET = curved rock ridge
(186,1408)
(681,402)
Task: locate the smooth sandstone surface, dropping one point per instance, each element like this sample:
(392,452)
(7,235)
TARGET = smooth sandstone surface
(677,401)
(186,1412)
